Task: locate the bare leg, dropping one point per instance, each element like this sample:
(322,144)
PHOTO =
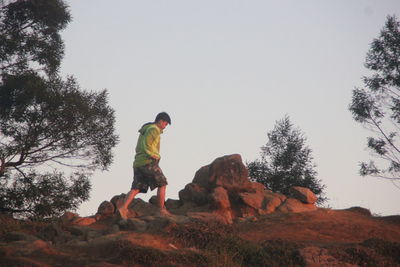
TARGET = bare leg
(161,196)
(161,201)
(129,197)
(123,209)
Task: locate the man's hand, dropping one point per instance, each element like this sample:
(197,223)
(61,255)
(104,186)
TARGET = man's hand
(155,159)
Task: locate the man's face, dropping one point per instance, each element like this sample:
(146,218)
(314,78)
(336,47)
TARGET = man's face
(163,124)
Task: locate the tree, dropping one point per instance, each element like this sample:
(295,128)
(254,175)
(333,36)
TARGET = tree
(377,105)
(48,124)
(286,161)
(29,33)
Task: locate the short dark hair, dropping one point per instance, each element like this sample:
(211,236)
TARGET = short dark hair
(163,116)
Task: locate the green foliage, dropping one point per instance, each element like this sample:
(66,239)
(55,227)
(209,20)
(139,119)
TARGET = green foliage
(48,194)
(286,161)
(54,121)
(377,105)
(29,32)
(46,122)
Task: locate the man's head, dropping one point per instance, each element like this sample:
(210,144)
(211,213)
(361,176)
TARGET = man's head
(162,120)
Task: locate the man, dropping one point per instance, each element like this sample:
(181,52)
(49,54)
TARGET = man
(146,171)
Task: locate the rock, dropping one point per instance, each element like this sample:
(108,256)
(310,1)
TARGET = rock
(153,200)
(247,211)
(271,202)
(84,221)
(97,217)
(223,189)
(190,207)
(173,204)
(139,208)
(257,187)
(106,209)
(202,177)
(179,219)
(118,200)
(193,193)
(254,200)
(294,205)
(68,217)
(230,173)
(303,194)
(224,217)
(220,199)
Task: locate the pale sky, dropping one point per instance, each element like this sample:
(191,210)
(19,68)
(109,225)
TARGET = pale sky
(226,71)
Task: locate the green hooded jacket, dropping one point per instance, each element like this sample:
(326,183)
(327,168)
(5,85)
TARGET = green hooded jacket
(148,145)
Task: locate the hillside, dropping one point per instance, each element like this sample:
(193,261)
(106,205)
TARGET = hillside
(316,238)
(221,219)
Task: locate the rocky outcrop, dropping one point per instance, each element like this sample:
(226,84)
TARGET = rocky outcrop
(223,187)
(219,191)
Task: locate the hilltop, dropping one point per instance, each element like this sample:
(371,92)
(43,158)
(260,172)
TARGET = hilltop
(220,219)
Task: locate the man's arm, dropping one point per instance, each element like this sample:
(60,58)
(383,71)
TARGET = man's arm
(151,143)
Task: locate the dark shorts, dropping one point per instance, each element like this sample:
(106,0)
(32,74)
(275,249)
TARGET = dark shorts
(147,176)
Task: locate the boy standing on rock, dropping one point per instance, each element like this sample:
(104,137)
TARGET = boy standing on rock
(146,171)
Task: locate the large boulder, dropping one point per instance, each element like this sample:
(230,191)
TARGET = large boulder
(220,199)
(202,177)
(230,173)
(227,172)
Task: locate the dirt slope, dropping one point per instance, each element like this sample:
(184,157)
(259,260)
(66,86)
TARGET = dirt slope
(318,238)
(322,226)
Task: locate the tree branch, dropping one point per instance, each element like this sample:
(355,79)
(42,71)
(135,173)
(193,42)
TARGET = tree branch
(383,133)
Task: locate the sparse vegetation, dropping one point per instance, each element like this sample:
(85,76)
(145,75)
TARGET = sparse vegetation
(286,161)
(224,248)
(377,105)
(385,248)
(53,134)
